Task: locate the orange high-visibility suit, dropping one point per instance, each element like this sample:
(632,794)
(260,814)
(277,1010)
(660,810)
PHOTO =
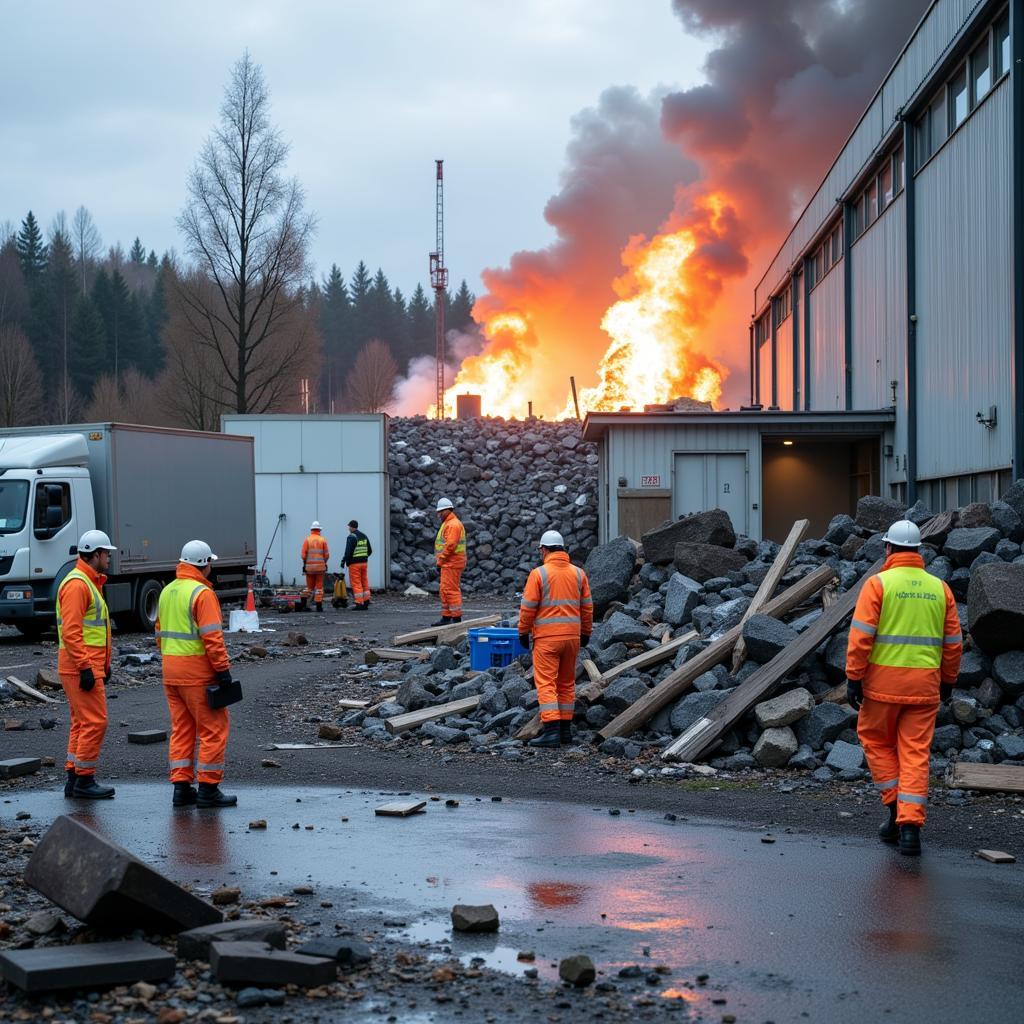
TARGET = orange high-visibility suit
(186,678)
(556,609)
(315,556)
(904,640)
(450,553)
(88,707)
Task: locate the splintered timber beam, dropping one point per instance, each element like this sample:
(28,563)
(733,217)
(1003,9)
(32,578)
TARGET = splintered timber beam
(989,778)
(403,723)
(675,685)
(442,633)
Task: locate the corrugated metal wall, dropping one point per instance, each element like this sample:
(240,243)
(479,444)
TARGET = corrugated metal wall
(784,341)
(879,313)
(965,295)
(826,320)
(943,22)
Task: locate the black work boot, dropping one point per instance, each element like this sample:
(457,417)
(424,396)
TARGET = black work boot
(889,831)
(87,788)
(363,607)
(910,840)
(211,796)
(565,733)
(550,737)
(455,618)
(366,603)
(69,785)
(443,621)
(319,606)
(184,795)
(303,605)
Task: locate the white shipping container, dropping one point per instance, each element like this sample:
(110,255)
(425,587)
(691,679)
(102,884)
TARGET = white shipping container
(328,468)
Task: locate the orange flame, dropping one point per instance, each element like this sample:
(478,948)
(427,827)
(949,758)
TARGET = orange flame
(653,355)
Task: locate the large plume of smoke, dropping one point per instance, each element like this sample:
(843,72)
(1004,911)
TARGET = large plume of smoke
(785,83)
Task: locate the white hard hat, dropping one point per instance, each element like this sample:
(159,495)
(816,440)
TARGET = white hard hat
(94,540)
(904,534)
(443,504)
(552,539)
(197,552)
(316,525)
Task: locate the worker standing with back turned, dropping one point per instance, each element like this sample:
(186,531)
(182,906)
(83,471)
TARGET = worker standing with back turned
(315,555)
(190,636)
(902,659)
(83,662)
(450,554)
(557,612)
(357,555)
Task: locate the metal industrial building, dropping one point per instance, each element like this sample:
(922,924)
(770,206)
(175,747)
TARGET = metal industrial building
(887,343)
(330,468)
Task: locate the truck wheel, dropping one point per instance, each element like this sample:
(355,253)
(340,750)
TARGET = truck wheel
(146,602)
(32,629)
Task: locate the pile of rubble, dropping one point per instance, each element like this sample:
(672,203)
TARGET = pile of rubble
(696,575)
(509,482)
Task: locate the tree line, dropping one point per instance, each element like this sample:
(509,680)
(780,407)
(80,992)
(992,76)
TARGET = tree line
(236,324)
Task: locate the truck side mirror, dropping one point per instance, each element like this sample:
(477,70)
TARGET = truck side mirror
(53,518)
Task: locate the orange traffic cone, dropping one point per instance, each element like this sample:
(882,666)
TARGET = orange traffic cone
(250,600)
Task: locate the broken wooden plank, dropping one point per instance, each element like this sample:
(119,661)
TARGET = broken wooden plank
(447,632)
(678,682)
(145,736)
(988,778)
(401,809)
(378,654)
(31,691)
(652,657)
(837,695)
(593,672)
(403,723)
(385,698)
(996,856)
(768,585)
(353,705)
(312,746)
(707,730)
(14,767)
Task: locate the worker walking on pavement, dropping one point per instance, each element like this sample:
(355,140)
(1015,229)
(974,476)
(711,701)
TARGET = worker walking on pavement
(902,659)
(189,634)
(450,553)
(315,555)
(83,662)
(357,555)
(557,612)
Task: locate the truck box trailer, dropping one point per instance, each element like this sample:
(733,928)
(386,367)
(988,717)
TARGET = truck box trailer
(150,488)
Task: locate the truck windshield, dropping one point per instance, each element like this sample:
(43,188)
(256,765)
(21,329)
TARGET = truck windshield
(13,502)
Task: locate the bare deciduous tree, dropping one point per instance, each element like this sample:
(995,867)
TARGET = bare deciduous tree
(246,229)
(85,240)
(371,383)
(21,383)
(132,400)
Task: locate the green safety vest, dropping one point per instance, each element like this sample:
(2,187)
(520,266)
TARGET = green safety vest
(179,635)
(911,627)
(362,548)
(96,624)
(439,540)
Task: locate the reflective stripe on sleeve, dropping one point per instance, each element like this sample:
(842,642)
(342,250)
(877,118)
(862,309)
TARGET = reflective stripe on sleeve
(864,627)
(529,604)
(212,628)
(955,638)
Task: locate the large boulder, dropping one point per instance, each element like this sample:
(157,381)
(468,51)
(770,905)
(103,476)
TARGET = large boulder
(878,514)
(609,567)
(995,607)
(775,747)
(977,513)
(682,596)
(712,620)
(1014,497)
(785,709)
(1008,670)
(713,527)
(622,629)
(1006,520)
(824,724)
(693,707)
(623,693)
(964,545)
(703,562)
(766,636)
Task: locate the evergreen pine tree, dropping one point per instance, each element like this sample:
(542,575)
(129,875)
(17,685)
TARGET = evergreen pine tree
(103,302)
(61,283)
(461,310)
(421,324)
(138,253)
(88,344)
(359,300)
(334,323)
(151,260)
(380,303)
(399,334)
(31,250)
(156,318)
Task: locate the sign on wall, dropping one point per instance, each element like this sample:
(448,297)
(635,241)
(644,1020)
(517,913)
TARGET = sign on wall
(650,481)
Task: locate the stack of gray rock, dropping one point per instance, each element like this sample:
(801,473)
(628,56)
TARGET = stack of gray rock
(509,480)
(697,574)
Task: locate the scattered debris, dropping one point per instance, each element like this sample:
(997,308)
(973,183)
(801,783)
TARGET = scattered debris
(469,918)
(87,965)
(14,767)
(400,810)
(996,856)
(577,970)
(148,736)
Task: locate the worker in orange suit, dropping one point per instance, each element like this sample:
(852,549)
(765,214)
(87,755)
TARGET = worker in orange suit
(189,634)
(902,660)
(557,613)
(83,662)
(357,556)
(450,554)
(315,554)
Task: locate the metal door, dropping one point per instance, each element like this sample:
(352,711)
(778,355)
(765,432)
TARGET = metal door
(707,480)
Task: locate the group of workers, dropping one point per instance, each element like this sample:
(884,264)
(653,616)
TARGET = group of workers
(902,659)
(316,555)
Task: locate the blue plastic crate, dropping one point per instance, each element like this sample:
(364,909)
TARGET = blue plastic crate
(493,647)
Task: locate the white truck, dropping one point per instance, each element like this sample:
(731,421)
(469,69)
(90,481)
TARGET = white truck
(151,489)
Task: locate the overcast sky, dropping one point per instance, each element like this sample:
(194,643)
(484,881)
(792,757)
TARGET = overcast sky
(106,104)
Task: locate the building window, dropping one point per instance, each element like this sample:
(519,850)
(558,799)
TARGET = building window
(958,100)
(763,330)
(781,306)
(937,131)
(1001,34)
(981,73)
(870,205)
(898,170)
(922,137)
(885,189)
(837,244)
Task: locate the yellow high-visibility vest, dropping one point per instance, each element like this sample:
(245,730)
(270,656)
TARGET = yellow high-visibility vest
(460,548)
(179,635)
(911,627)
(96,624)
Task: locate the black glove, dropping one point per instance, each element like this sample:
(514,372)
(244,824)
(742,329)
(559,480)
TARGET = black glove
(224,678)
(303,568)
(107,675)
(524,639)
(86,680)
(945,691)
(855,693)
(585,640)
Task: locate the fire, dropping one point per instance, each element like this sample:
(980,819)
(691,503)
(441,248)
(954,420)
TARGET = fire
(653,355)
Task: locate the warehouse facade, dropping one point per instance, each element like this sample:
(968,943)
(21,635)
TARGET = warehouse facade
(900,285)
